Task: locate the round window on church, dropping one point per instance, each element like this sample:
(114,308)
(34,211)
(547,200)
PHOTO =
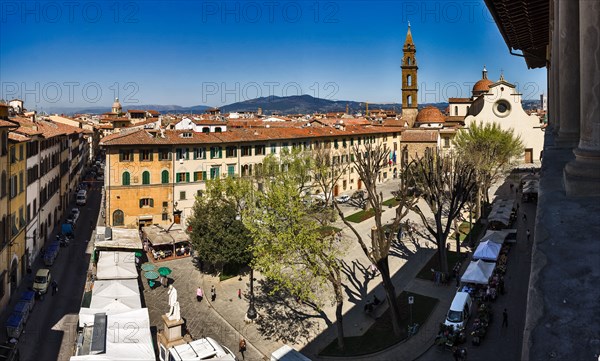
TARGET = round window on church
(502,108)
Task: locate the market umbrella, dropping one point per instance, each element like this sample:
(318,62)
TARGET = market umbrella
(164,271)
(148,266)
(151,275)
(138,254)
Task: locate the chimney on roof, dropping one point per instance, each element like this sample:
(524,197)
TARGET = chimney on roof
(162,133)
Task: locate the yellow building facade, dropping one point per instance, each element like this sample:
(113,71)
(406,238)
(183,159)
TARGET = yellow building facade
(4,209)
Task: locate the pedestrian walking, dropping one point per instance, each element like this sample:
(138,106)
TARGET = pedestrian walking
(240,293)
(456,353)
(528,234)
(524,217)
(213,293)
(199,294)
(54,286)
(373,270)
(504,318)
(242,347)
(511,187)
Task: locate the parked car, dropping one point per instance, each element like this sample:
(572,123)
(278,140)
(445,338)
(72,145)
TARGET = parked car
(42,280)
(343,198)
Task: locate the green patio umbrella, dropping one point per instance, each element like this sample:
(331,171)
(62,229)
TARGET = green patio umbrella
(148,266)
(138,254)
(151,275)
(164,271)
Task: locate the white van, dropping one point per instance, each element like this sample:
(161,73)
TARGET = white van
(459,311)
(81,198)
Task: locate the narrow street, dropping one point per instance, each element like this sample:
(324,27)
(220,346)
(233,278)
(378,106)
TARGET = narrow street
(53,320)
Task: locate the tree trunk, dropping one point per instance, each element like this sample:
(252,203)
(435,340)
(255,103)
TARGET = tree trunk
(390,291)
(339,298)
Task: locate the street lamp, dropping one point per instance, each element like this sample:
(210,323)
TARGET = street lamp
(251,314)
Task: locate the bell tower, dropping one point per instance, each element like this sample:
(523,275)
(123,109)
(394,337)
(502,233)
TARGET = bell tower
(409,80)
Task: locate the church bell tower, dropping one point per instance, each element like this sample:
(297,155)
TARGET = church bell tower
(409,80)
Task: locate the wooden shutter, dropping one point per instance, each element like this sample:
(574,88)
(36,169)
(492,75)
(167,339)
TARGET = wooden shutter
(141,203)
(151,202)
(187,177)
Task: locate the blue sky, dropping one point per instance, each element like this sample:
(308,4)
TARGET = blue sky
(83,53)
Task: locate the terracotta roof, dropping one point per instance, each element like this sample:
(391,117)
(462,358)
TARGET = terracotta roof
(136,111)
(455,118)
(6,123)
(18,137)
(482,86)
(417,135)
(237,135)
(430,114)
(459,100)
(153,112)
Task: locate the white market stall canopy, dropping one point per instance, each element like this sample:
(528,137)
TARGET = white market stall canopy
(116,295)
(500,236)
(117,238)
(116,266)
(501,211)
(478,272)
(531,186)
(126,336)
(160,236)
(487,251)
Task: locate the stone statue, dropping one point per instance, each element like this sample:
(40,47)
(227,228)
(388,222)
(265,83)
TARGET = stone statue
(175,312)
(172,292)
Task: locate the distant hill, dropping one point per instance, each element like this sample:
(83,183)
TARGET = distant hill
(302,104)
(297,104)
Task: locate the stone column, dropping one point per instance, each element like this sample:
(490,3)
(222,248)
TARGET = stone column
(582,175)
(568,73)
(554,64)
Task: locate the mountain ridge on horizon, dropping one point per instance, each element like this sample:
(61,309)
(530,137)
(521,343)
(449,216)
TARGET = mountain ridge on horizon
(294,104)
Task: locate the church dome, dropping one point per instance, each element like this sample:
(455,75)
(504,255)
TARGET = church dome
(482,86)
(116,104)
(430,114)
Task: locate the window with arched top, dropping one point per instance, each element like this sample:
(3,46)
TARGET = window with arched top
(164,177)
(456,110)
(126,179)
(468,107)
(146,177)
(408,61)
(409,80)
(206,130)
(409,100)
(118,218)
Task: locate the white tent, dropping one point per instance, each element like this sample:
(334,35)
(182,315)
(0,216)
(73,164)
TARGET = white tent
(499,236)
(478,272)
(487,251)
(119,294)
(128,337)
(111,297)
(116,265)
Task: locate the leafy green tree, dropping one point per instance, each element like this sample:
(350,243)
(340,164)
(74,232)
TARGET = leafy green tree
(217,231)
(491,149)
(290,247)
(445,182)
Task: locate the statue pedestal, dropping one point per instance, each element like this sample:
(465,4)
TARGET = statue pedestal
(172,329)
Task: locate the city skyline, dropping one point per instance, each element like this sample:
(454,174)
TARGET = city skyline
(84,54)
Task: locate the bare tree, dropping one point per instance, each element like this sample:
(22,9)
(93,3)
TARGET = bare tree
(327,170)
(369,163)
(446,183)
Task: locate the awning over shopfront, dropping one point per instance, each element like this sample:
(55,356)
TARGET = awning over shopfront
(161,236)
(478,272)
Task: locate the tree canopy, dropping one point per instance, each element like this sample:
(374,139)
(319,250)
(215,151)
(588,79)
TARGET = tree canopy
(217,231)
(491,149)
